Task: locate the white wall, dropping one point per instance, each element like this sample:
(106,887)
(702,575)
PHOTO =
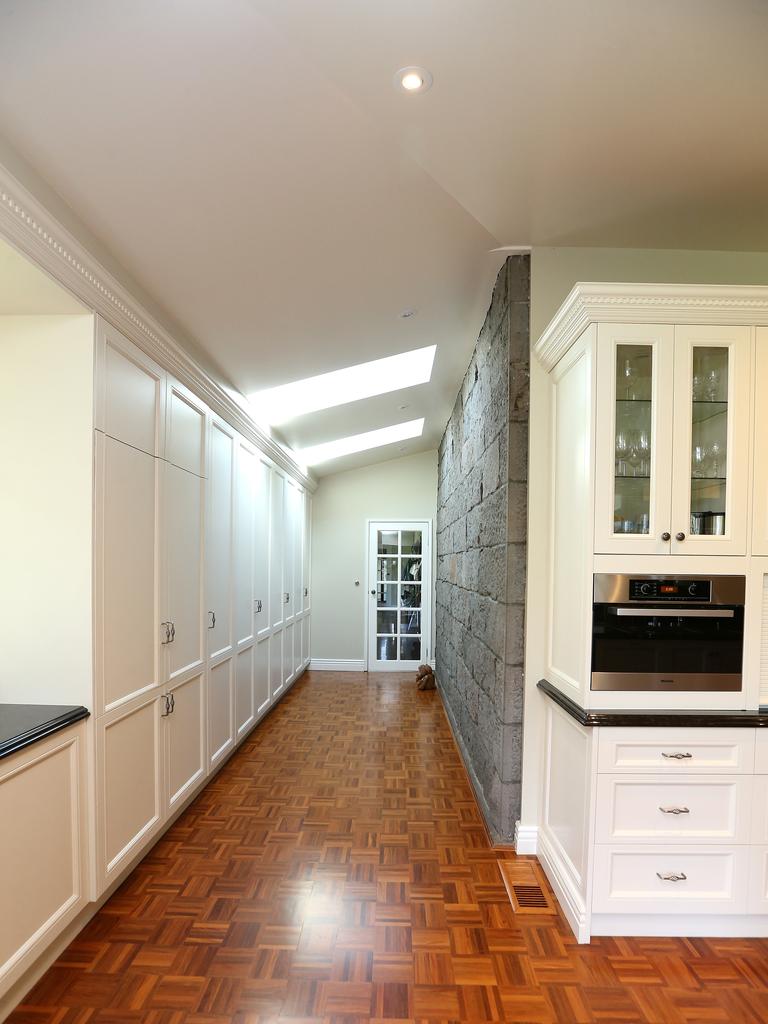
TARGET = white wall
(403,488)
(554,271)
(46,499)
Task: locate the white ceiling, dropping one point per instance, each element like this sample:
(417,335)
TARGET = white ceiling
(250,163)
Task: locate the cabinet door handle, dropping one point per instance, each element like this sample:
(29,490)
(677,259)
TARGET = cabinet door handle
(167,711)
(680,536)
(212,618)
(173,703)
(678,755)
(167,627)
(675,810)
(173,632)
(672,876)
(666,536)
(286,598)
(258,606)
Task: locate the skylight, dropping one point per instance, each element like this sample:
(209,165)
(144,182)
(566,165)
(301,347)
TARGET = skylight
(380,376)
(360,442)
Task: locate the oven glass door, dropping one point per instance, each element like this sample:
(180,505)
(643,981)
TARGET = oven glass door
(670,648)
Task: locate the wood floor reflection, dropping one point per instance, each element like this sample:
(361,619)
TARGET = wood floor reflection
(337,871)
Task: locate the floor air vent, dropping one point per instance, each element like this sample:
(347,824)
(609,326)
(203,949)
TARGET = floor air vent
(525,888)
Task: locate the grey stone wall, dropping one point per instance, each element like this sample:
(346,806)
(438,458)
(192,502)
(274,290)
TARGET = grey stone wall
(481,552)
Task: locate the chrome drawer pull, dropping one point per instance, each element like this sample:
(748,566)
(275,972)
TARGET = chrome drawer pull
(672,877)
(677,756)
(675,810)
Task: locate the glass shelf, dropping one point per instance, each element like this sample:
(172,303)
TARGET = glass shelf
(633,401)
(632,476)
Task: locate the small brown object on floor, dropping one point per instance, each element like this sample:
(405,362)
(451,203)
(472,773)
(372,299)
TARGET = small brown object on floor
(425,680)
(526,887)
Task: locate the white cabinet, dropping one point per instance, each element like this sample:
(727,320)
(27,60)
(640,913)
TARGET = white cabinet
(130,401)
(44,852)
(186,427)
(126,572)
(261,558)
(277,601)
(220,539)
(185,739)
(182,638)
(672,439)
(760,488)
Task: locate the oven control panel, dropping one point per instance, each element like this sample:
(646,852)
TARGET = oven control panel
(670,590)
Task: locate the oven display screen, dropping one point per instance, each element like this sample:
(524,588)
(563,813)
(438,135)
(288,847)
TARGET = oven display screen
(669,588)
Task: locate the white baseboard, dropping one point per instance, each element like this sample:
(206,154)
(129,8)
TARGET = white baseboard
(337,665)
(568,896)
(526,838)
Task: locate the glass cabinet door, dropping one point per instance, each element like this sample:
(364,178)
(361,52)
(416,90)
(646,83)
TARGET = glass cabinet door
(633,438)
(712,407)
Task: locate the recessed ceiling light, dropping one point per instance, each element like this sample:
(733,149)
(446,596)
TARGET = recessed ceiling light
(406,314)
(401,407)
(360,442)
(379,377)
(413,79)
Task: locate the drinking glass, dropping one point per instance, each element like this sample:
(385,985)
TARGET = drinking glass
(630,376)
(713,385)
(644,448)
(698,388)
(717,459)
(698,461)
(621,453)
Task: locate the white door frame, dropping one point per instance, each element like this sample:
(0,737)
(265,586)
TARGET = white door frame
(426,591)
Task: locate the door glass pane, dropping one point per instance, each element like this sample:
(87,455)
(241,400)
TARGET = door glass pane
(386,622)
(386,648)
(634,417)
(410,648)
(386,595)
(388,542)
(410,596)
(386,568)
(410,621)
(411,541)
(410,569)
(709,436)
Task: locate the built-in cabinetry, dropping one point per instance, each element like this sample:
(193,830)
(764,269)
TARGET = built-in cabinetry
(657,830)
(659,461)
(200,556)
(44,852)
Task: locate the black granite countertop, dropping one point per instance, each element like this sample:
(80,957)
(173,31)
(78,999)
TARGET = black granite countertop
(23,724)
(690,719)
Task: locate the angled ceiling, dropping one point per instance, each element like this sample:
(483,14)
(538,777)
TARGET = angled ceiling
(252,166)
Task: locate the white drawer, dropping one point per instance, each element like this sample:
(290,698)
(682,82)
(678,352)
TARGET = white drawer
(707,751)
(758,880)
(711,880)
(761,751)
(686,809)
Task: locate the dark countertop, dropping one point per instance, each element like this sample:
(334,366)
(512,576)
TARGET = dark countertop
(690,719)
(23,724)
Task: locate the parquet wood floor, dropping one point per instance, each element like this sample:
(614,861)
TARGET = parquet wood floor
(337,871)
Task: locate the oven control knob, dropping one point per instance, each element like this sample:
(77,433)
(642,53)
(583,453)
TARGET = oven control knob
(645,589)
(692,589)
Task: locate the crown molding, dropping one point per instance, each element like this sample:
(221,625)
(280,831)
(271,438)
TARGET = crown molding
(28,225)
(587,303)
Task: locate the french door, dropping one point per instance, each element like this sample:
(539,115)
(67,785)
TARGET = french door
(399,595)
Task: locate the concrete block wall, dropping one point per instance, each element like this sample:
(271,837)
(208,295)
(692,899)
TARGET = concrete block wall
(481,552)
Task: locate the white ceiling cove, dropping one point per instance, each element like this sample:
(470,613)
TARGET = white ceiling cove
(251,164)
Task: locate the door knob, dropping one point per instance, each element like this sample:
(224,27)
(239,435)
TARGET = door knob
(680,536)
(373,593)
(666,536)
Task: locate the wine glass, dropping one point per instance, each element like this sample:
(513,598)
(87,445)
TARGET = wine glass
(644,447)
(622,449)
(717,460)
(698,461)
(630,376)
(713,385)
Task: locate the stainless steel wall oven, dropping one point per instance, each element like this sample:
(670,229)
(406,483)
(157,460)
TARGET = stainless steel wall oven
(667,633)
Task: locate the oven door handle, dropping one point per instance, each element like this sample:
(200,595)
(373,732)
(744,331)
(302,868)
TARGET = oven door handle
(674,613)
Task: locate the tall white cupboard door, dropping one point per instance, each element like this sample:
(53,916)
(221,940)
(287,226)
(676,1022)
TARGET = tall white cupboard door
(289,550)
(288,638)
(220,710)
(276,678)
(245,532)
(307,552)
(712,450)
(185,739)
(128,779)
(185,429)
(261,696)
(130,392)
(261,559)
(760,491)
(126,573)
(182,638)
(277,603)
(633,473)
(244,706)
(219,540)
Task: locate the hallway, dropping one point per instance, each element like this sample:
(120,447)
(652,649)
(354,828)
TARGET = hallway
(337,870)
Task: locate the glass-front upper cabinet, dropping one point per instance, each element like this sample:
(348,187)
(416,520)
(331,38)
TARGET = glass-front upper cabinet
(634,445)
(712,399)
